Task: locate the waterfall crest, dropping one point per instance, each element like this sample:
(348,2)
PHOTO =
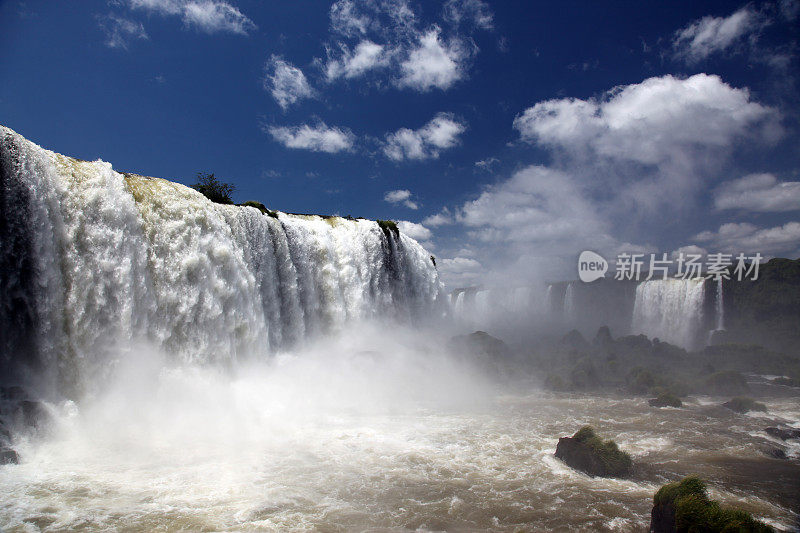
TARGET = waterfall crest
(671,310)
(92,259)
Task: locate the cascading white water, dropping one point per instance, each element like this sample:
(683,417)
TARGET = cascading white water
(93,260)
(671,310)
(569,303)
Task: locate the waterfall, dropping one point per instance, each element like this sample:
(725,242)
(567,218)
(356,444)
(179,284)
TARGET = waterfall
(93,261)
(569,303)
(671,310)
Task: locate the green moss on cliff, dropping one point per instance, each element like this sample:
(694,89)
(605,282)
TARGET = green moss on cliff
(388,226)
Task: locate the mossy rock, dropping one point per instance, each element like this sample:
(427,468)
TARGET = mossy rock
(666,400)
(587,452)
(389,227)
(742,404)
(261,207)
(258,205)
(684,506)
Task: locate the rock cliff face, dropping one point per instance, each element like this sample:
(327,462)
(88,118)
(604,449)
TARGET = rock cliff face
(765,311)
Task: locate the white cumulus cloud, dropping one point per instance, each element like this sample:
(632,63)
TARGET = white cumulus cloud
(319,138)
(656,141)
(400,196)
(286,82)
(366,56)
(371,36)
(415,231)
(433,63)
(441,133)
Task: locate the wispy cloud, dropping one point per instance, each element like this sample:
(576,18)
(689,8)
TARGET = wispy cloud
(210,16)
(441,133)
(486,164)
(318,138)
(286,83)
(748,238)
(710,35)
(120,31)
(758,192)
(469,12)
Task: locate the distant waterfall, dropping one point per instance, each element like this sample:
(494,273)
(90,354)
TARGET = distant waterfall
(671,310)
(569,303)
(92,259)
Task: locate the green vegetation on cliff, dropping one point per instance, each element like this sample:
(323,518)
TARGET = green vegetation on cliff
(213,189)
(388,226)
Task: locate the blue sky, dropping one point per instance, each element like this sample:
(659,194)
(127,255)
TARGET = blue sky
(508,136)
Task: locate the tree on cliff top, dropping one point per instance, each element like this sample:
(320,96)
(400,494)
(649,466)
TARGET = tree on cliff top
(213,189)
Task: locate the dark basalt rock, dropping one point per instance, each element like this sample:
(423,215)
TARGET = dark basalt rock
(666,400)
(32,413)
(12,393)
(684,506)
(8,456)
(585,451)
(743,405)
(774,452)
(603,338)
(783,433)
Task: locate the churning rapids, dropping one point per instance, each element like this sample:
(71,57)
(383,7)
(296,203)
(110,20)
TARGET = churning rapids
(212,368)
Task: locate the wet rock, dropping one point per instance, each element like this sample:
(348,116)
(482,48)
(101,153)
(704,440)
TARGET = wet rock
(665,400)
(32,413)
(8,456)
(783,433)
(12,393)
(587,452)
(603,339)
(743,405)
(773,451)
